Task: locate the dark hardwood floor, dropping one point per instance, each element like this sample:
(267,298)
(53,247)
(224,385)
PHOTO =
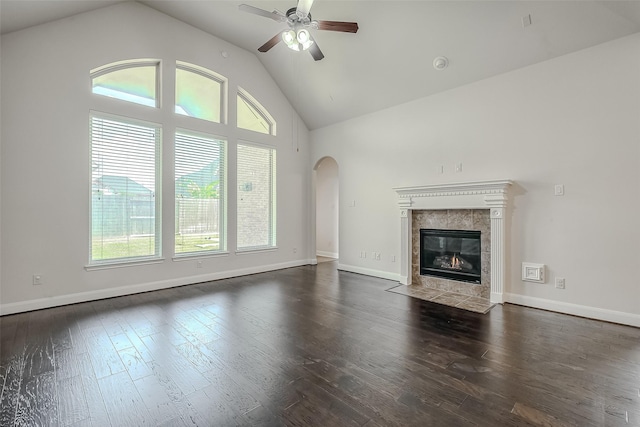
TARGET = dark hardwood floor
(311,346)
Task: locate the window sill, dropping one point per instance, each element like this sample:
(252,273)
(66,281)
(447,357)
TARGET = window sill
(192,256)
(122,264)
(255,250)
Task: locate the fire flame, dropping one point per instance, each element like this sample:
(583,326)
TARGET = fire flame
(455,262)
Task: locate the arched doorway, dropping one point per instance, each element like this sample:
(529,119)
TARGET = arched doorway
(327,209)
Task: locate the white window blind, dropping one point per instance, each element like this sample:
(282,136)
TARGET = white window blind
(256,177)
(200,175)
(125,200)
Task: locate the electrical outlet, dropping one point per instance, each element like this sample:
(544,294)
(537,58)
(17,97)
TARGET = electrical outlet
(295,250)
(458,167)
(37,279)
(560,283)
(378,256)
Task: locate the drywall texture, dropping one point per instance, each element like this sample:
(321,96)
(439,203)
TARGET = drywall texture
(572,120)
(46,182)
(327,198)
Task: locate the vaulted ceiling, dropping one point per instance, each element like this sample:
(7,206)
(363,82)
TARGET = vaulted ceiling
(390,60)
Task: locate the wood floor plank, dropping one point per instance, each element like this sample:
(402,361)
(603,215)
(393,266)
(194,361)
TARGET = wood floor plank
(72,403)
(11,390)
(37,401)
(104,357)
(155,398)
(93,395)
(123,402)
(312,346)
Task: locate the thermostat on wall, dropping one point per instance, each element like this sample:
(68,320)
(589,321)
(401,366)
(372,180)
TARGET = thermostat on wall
(532,272)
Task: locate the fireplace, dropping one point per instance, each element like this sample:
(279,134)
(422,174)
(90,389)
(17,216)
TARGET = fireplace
(490,196)
(451,254)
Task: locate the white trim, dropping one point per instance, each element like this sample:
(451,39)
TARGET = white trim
(369,272)
(37,304)
(575,309)
(122,264)
(255,250)
(189,256)
(327,254)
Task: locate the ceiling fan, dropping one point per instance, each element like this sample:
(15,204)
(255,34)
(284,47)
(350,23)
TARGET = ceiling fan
(297,36)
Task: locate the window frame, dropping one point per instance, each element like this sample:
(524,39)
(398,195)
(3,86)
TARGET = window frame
(273,211)
(253,102)
(223,198)
(126,64)
(158,223)
(210,74)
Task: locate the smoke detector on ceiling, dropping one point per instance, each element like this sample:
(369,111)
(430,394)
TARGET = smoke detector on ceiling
(440,63)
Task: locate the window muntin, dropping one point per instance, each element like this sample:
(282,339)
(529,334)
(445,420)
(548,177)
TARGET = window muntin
(199,92)
(135,82)
(125,161)
(251,115)
(256,197)
(200,188)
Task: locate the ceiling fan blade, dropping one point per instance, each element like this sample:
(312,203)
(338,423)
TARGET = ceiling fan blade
(275,15)
(303,8)
(315,51)
(345,27)
(271,43)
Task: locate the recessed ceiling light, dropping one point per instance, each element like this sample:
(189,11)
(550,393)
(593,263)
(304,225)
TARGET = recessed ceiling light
(440,63)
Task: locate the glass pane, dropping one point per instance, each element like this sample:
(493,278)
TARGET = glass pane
(134,84)
(250,118)
(198,95)
(199,181)
(123,205)
(256,197)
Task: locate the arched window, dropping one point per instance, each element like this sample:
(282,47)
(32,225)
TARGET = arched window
(133,81)
(252,115)
(199,92)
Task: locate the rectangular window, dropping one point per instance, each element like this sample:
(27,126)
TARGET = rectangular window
(200,179)
(256,197)
(125,164)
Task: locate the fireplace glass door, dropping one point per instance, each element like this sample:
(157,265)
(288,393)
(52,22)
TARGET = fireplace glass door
(451,254)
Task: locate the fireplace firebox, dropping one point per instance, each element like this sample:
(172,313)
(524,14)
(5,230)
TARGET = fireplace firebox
(451,254)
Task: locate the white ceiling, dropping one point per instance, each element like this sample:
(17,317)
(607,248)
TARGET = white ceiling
(389,61)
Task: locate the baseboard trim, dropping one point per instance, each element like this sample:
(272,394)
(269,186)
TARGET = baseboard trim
(41,303)
(613,316)
(369,272)
(327,254)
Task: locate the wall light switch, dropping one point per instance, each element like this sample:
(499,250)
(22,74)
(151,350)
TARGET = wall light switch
(559,190)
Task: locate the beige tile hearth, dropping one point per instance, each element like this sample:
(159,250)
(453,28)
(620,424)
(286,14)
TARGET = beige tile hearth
(452,299)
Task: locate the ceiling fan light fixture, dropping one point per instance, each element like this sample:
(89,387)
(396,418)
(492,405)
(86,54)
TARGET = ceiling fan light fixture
(297,40)
(289,38)
(303,36)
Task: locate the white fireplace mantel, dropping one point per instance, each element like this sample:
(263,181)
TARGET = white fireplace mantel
(493,195)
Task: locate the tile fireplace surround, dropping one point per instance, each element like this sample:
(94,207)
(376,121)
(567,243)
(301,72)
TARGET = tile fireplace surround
(491,196)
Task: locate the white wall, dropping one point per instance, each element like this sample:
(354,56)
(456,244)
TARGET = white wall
(327,202)
(46,98)
(573,120)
